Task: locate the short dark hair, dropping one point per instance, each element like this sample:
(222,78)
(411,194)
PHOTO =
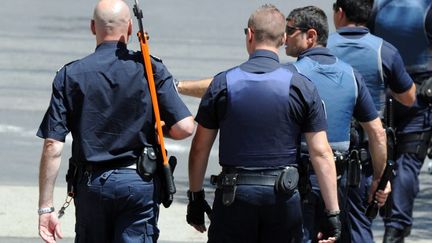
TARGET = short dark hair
(357,11)
(311,17)
(268,24)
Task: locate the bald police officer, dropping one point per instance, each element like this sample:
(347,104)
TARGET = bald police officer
(103,100)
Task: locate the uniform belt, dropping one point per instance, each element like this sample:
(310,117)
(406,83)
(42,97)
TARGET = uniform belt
(130,164)
(414,137)
(242,179)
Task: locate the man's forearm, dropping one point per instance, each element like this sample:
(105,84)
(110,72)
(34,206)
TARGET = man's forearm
(325,170)
(378,150)
(48,171)
(198,156)
(377,145)
(195,88)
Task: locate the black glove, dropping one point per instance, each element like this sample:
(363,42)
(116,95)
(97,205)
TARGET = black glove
(332,226)
(196,208)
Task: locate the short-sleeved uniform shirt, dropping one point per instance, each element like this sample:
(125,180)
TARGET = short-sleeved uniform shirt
(364,109)
(305,112)
(104,101)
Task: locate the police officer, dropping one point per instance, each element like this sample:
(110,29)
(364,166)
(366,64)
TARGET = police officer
(344,94)
(261,108)
(381,66)
(412,35)
(104,101)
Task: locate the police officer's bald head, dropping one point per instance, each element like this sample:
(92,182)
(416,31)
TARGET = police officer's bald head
(268,25)
(111,21)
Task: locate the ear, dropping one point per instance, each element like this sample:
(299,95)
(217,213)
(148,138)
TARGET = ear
(249,35)
(339,14)
(93,27)
(130,28)
(284,38)
(311,37)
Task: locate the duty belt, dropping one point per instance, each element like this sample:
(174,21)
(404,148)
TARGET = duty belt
(92,167)
(285,180)
(340,159)
(416,143)
(242,179)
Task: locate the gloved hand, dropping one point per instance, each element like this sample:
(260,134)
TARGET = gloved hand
(195,210)
(332,227)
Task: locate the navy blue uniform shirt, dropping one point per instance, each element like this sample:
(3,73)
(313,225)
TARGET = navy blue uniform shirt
(306,112)
(104,101)
(364,110)
(394,73)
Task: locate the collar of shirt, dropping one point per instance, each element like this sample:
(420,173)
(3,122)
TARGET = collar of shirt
(358,30)
(261,61)
(111,45)
(319,54)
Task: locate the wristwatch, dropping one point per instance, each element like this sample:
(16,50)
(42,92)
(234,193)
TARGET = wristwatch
(45,210)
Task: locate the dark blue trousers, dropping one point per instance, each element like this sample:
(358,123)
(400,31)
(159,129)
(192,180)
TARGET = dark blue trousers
(257,215)
(405,187)
(313,208)
(360,227)
(116,206)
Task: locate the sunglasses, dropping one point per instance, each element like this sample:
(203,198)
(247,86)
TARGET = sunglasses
(291,30)
(335,6)
(246,30)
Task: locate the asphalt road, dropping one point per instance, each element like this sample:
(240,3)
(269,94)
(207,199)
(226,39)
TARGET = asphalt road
(194,38)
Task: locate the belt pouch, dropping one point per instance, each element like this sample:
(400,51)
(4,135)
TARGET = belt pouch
(147,163)
(229,186)
(286,182)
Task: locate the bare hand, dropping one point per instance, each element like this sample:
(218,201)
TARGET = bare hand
(49,227)
(380,195)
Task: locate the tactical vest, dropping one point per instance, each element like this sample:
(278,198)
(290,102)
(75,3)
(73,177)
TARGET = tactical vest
(337,88)
(364,55)
(402,23)
(257,130)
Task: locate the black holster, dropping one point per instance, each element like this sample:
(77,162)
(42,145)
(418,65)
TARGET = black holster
(354,168)
(72,178)
(150,163)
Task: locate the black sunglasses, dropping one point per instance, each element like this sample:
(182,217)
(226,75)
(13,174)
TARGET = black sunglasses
(246,30)
(335,6)
(289,30)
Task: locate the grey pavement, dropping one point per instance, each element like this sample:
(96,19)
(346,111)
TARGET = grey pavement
(195,39)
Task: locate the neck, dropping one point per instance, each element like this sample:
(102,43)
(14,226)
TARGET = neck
(265,47)
(101,39)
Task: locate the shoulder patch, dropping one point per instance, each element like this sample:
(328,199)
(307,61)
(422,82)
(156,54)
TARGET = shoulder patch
(66,65)
(156,58)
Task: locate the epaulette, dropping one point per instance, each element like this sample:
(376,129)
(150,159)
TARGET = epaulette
(156,58)
(66,65)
